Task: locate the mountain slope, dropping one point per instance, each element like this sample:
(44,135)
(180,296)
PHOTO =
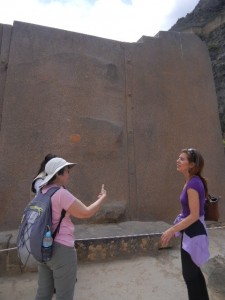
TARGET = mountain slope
(207,20)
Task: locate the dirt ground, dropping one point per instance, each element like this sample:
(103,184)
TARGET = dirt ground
(137,279)
(140,278)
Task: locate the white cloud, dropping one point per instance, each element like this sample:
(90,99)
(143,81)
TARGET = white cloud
(123,20)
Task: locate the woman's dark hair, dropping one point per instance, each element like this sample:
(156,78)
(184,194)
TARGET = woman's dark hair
(194,156)
(47,158)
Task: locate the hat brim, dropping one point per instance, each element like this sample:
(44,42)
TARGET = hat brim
(49,177)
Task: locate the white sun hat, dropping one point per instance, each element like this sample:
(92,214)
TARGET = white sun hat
(53,167)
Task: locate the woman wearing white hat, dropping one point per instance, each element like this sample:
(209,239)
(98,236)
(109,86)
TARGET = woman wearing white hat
(60,271)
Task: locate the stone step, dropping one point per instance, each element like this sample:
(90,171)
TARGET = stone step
(97,243)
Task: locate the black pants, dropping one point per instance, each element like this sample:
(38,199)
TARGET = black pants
(193,278)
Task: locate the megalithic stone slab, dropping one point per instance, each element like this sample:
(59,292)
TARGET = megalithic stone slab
(122,111)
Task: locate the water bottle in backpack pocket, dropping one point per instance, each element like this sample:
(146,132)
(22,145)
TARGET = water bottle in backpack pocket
(47,246)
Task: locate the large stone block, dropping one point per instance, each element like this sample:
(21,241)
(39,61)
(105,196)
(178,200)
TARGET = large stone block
(122,111)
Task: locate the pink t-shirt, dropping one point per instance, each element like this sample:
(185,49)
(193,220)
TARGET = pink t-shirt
(62,199)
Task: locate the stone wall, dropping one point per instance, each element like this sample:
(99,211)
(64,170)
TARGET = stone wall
(122,111)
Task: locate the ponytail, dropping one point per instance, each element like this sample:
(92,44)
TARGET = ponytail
(204,181)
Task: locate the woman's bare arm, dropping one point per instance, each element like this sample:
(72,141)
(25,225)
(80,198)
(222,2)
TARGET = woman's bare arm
(80,210)
(193,202)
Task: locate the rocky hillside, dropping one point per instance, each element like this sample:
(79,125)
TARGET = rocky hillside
(207,20)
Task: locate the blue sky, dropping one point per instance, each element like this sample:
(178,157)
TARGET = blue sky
(122,20)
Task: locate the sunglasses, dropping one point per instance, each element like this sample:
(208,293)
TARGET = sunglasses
(192,153)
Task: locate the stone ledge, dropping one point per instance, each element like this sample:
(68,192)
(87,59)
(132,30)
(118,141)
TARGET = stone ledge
(97,243)
(109,248)
(4,244)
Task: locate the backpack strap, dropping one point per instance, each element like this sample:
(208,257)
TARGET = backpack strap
(63,213)
(51,192)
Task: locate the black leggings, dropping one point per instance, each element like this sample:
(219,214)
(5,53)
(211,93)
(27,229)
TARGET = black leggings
(193,278)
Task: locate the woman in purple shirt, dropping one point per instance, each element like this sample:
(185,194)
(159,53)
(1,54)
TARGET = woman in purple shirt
(190,223)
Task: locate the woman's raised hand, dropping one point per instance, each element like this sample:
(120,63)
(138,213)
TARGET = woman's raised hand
(103,192)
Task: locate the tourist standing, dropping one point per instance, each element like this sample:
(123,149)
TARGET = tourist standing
(190,223)
(60,271)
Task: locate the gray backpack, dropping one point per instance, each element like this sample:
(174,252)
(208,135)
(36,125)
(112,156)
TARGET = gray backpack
(36,221)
